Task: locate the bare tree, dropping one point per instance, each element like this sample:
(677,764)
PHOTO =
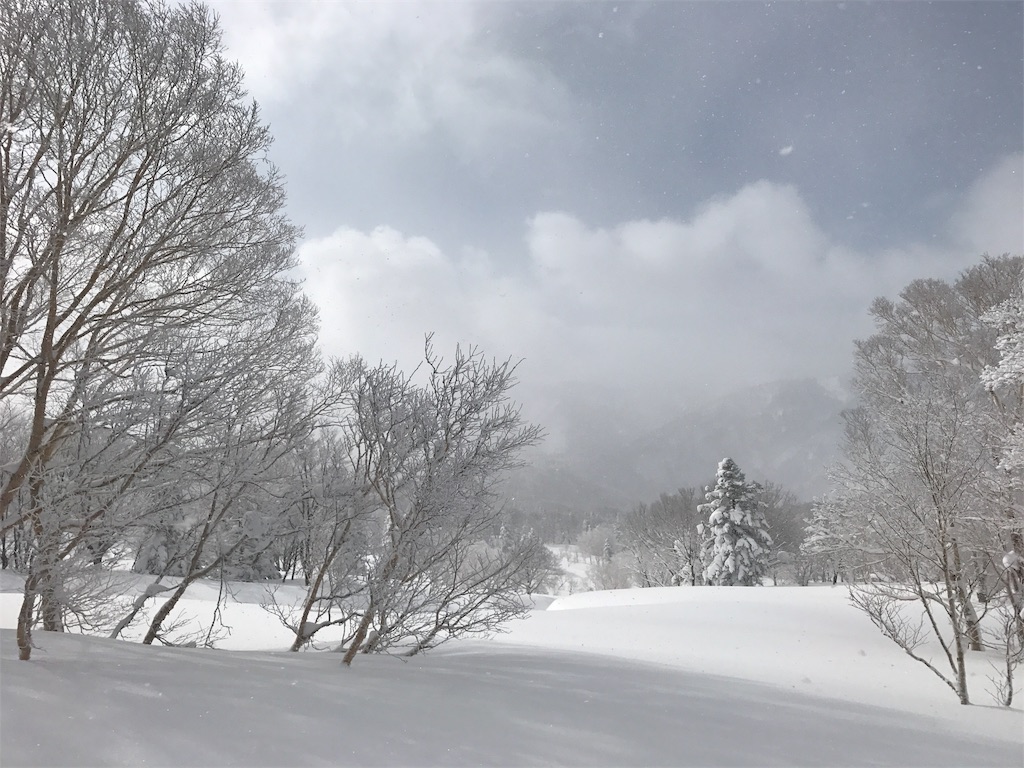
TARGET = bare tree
(1004,381)
(919,460)
(540,570)
(598,543)
(136,203)
(224,496)
(838,546)
(331,537)
(663,540)
(13,435)
(428,460)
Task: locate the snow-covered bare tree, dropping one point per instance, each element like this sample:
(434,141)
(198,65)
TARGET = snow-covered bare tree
(786,518)
(597,542)
(136,203)
(540,571)
(917,484)
(428,460)
(737,544)
(13,435)
(1005,383)
(331,532)
(837,546)
(263,400)
(663,540)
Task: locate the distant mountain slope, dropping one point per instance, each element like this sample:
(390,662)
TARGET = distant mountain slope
(786,432)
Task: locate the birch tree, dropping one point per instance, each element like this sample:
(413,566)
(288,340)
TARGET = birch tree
(1004,381)
(136,202)
(428,460)
(919,460)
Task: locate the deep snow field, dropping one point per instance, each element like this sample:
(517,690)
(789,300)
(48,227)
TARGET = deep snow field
(676,676)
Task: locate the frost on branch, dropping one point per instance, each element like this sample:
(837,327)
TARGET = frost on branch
(1007,376)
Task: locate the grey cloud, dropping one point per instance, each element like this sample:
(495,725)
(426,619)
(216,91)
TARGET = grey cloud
(604,189)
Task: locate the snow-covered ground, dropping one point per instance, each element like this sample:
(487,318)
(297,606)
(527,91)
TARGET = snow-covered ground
(575,568)
(678,676)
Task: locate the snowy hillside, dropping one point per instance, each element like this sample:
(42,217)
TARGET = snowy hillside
(786,432)
(680,676)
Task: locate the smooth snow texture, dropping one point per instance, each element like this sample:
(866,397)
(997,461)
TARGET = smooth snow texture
(806,639)
(677,676)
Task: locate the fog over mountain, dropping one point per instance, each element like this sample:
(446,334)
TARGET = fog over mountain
(786,432)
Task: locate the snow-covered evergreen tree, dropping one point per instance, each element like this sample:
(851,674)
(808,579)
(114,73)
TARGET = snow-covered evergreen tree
(736,540)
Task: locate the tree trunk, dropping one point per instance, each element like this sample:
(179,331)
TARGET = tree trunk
(360,636)
(961,668)
(137,606)
(50,608)
(311,596)
(25,619)
(163,612)
(972,624)
(958,632)
(48,588)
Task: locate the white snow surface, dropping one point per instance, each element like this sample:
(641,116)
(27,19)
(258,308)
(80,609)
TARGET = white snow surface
(676,676)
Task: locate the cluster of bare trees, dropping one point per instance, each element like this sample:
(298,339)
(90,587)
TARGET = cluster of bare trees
(662,539)
(404,544)
(162,400)
(929,499)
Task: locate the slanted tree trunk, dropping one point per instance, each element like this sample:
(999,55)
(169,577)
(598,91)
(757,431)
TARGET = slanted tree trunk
(357,641)
(24,631)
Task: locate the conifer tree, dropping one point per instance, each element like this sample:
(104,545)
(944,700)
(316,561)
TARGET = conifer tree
(736,540)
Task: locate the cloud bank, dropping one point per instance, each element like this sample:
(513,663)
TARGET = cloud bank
(392,72)
(747,289)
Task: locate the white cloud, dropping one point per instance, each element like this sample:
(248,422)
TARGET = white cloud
(394,71)
(982,224)
(374,288)
(747,289)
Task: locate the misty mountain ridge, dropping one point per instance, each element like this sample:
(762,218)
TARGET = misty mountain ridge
(786,432)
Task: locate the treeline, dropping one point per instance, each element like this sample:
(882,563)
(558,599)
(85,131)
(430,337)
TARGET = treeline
(670,541)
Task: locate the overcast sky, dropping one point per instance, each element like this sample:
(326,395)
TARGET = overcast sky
(656,200)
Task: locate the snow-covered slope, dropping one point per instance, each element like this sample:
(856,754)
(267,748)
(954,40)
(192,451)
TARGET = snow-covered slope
(772,676)
(804,639)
